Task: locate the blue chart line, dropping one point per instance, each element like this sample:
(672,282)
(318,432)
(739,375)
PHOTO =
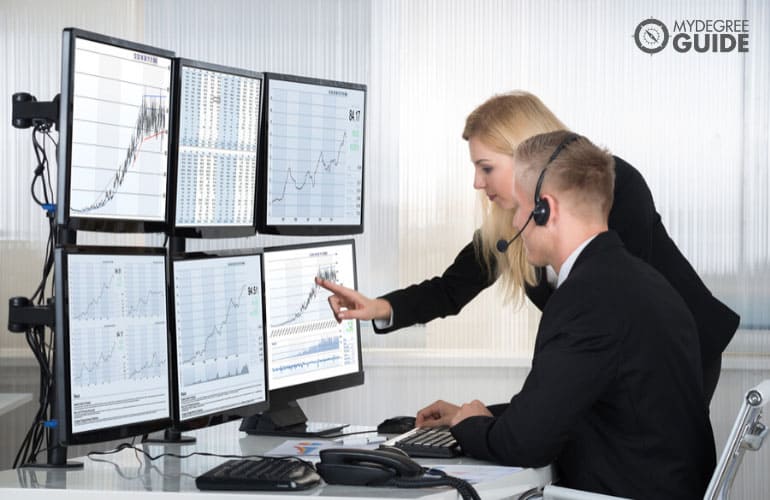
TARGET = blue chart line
(85,370)
(151,297)
(218,329)
(117,318)
(213,373)
(303,366)
(330,274)
(296,350)
(148,368)
(103,295)
(312,173)
(150,123)
(121,361)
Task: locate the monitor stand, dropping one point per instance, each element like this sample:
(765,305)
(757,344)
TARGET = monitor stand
(286,418)
(170,436)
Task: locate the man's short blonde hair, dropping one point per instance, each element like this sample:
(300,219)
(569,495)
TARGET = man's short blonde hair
(581,170)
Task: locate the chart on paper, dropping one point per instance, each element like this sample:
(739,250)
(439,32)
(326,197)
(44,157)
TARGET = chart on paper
(119,133)
(315,154)
(117,337)
(303,335)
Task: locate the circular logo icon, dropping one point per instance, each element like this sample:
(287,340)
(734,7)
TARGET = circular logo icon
(651,36)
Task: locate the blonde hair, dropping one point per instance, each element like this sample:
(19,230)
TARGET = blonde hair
(502,123)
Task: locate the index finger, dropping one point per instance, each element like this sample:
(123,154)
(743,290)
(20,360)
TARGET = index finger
(332,286)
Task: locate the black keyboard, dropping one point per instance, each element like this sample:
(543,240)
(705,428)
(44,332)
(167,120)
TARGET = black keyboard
(272,474)
(435,442)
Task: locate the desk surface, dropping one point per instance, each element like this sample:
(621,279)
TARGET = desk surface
(10,401)
(126,474)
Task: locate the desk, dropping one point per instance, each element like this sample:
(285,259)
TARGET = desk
(131,477)
(9,401)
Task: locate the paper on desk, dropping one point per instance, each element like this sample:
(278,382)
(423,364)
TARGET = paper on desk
(475,473)
(309,448)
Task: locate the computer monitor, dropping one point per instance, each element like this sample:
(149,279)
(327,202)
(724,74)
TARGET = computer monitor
(114,134)
(218,343)
(312,175)
(308,352)
(111,343)
(215,150)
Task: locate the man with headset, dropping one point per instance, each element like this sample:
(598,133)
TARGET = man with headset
(609,399)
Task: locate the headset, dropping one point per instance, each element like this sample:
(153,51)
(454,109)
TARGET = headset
(542,210)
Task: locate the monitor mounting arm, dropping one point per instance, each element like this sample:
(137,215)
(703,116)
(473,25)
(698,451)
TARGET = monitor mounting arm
(23,315)
(28,111)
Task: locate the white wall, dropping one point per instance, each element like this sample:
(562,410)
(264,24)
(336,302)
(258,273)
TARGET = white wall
(696,126)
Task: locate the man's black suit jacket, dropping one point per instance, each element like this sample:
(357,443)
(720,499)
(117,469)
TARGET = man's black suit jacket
(614,396)
(634,217)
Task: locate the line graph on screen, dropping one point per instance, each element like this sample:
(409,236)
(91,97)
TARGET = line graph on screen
(315,154)
(119,133)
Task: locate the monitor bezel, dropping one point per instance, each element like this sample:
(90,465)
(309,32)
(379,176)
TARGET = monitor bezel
(295,229)
(63,410)
(329,384)
(228,231)
(64,218)
(226,415)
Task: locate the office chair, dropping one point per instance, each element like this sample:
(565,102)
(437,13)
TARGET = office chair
(747,433)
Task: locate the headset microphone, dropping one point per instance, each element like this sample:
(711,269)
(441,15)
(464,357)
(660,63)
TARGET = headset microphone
(502,245)
(542,210)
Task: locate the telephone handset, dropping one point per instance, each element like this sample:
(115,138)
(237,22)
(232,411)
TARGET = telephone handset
(366,467)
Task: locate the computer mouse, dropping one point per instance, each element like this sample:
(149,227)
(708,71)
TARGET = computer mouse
(396,425)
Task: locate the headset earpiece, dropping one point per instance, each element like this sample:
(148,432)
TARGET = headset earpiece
(541,212)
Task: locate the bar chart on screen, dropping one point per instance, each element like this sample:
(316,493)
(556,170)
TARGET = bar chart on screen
(303,335)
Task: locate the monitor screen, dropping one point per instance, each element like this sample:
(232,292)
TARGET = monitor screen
(313,157)
(308,352)
(218,112)
(114,140)
(113,329)
(219,337)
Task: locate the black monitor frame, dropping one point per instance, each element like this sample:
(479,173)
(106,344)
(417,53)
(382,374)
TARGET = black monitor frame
(232,413)
(62,370)
(63,217)
(262,201)
(285,417)
(226,231)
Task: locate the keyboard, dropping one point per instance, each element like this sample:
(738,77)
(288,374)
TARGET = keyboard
(267,474)
(435,442)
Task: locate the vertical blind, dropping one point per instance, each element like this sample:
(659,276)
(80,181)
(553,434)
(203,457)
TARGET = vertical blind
(695,125)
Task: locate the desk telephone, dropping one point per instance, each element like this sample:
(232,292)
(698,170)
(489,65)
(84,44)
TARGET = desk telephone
(366,467)
(385,467)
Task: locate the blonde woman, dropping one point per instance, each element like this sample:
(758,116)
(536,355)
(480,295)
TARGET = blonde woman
(493,131)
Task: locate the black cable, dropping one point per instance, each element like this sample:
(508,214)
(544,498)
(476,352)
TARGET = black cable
(463,487)
(38,432)
(48,170)
(129,446)
(31,443)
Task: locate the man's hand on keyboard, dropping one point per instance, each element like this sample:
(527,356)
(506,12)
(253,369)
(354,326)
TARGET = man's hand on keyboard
(473,409)
(436,414)
(443,413)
